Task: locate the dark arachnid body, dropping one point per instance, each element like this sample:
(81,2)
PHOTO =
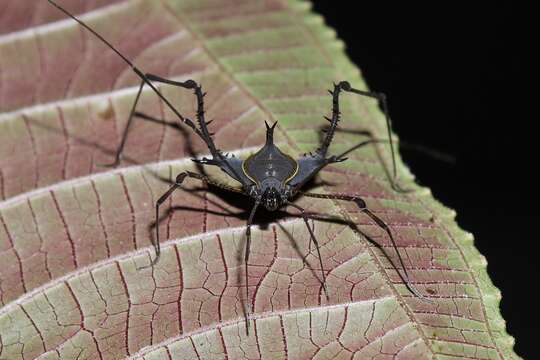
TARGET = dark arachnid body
(269,176)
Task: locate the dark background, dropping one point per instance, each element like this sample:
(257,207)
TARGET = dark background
(456,78)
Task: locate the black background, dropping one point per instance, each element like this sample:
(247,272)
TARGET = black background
(456,78)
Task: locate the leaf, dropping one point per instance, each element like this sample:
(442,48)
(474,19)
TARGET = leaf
(75,238)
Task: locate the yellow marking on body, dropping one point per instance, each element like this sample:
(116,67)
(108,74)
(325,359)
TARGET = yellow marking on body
(244,168)
(295,170)
(282,153)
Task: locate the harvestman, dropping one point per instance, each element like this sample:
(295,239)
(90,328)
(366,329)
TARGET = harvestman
(269,176)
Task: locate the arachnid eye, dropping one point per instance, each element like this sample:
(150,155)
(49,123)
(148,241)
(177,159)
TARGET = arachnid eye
(271,204)
(271,199)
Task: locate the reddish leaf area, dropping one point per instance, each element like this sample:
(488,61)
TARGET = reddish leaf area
(19,15)
(75,237)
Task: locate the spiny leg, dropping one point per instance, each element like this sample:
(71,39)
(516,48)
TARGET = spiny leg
(177,184)
(363,207)
(336,113)
(205,135)
(147,79)
(314,239)
(188,84)
(133,114)
(202,131)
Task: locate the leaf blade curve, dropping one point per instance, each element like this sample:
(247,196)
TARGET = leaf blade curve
(243,72)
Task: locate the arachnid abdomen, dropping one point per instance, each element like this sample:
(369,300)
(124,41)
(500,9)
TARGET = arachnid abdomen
(270,167)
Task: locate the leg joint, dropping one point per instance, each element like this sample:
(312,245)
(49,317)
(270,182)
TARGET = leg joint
(180,178)
(360,202)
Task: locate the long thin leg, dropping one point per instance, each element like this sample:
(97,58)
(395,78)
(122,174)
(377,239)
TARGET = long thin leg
(391,177)
(126,129)
(156,120)
(147,79)
(382,98)
(427,151)
(432,153)
(336,113)
(188,84)
(177,184)
(203,124)
(248,244)
(341,156)
(315,242)
(363,207)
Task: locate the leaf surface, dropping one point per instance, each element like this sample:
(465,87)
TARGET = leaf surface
(75,238)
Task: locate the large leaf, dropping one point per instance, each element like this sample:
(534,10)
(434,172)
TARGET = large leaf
(75,239)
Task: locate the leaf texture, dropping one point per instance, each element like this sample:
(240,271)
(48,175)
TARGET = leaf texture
(75,238)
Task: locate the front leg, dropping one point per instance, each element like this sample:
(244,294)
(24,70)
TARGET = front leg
(145,79)
(382,98)
(310,164)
